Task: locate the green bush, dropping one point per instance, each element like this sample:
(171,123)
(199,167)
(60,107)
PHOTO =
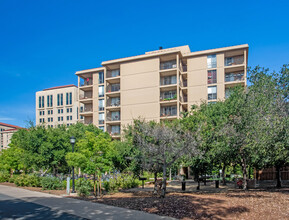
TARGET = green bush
(51,183)
(83,187)
(26,180)
(123,181)
(4,177)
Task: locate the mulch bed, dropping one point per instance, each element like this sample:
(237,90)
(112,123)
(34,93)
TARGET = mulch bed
(268,203)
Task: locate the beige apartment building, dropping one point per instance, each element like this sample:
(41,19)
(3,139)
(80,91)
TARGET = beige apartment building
(158,85)
(6,132)
(57,106)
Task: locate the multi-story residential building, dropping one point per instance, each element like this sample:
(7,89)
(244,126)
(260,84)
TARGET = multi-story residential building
(158,85)
(6,132)
(57,105)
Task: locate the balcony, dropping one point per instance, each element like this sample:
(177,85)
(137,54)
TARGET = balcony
(169,111)
(172,64)
(234,77)
(86,111)
(113,88)
(113,103)
(113,73)
(235,60)
(113,118)
(184,99)
(114,131)
(86,85)
(168,80)
(101,122)
(168,96)
(100,108)
(86,98)
(184,83)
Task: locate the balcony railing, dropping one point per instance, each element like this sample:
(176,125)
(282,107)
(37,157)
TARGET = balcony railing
(184,83)
(168,81)
(167,96)
(168,111)
(184,99)
(113,88)
(114,130)
(232,77)
(86,110)
(168,65)
(86,83)
(101,122)
(113,104)
(236,60)
(113,118)
(113,73)
(85,96)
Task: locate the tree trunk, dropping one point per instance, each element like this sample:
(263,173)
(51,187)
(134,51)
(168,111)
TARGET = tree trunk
(164,187)
(244,169)
(94,185)
(278,176)
(198,180)
(11,172)
(223,175)
(99,186)
(156,184)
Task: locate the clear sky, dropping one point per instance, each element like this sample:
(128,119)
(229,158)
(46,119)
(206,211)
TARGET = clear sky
(43,43)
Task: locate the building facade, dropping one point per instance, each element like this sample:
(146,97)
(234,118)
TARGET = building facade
(6,132)
(57,106)
(158,85)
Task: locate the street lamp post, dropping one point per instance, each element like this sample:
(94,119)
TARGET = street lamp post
(72,141)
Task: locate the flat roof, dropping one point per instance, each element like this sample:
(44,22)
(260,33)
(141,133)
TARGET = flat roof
(60,87)
(89,70)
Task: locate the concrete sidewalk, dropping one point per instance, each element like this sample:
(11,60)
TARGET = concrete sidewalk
(16,203)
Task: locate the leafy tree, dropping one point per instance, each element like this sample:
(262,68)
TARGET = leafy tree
(160,145)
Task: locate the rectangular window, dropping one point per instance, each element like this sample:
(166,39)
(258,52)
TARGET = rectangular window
(70,98)
(51,119)
(39,100)
(48,119)
(212,92)
(101,118)
(115,73)
(42,101)
(61,99)
(71,118)
(212,61)
(67,110)
(51,112)
(40,113)
(48,112)
(43,112)
(58,111)
(101,128)
(51,126)
(100,77)
(67,118)
(67,99)
(58,99)
(212,76)
(43,120)
(51,100)
(70,109)
(61,118)
(101,91)
(61,110)
(115,129)
(58,118)
(101,104)
(168,65)
(48,101)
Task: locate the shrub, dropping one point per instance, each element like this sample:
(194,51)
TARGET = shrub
(26,180)
(122,181)
(51,183)
(83,187)
(4,177)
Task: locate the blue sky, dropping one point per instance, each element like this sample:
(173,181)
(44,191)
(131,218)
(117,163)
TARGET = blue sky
(43,43)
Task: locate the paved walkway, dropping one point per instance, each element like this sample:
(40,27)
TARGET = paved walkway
(17,203)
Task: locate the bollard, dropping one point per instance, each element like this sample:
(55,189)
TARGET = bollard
(217,183)
(183,185)
(68,185)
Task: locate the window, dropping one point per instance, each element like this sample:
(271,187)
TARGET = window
(40,113)
(114,73)
(70,109)
(48,112)
(169,111)
(71,118)
(212,76)
(61,110)
(115,101)
(48,119)
(212,61)
(115,116)
(81,117)
(58,99)
(51,111)
(67,98)
(43,112)
(67,118)
(40,120)
(101,91)
(58,111)
(39,102)
(212,92)
(61,118)
(61,99)
(51,126)
(100,77)
(67,110)
(101,118)
(101,104)
(51,119)
(115,129)
(43,120)
(42,101)
(48,101)
(168,65)
(58,118)
(101,128)
(51,100)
